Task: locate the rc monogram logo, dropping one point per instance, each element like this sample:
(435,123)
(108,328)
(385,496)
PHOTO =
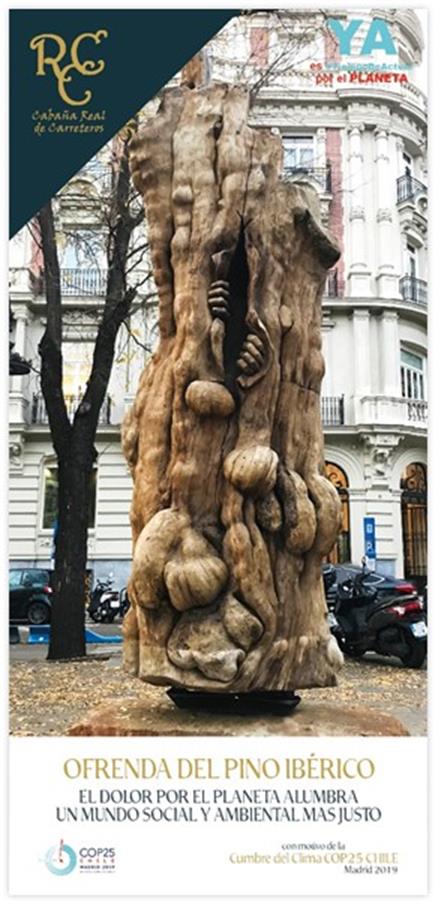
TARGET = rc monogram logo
(51,50)
(61,859)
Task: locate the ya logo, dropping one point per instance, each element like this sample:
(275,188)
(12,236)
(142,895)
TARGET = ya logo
(378,36)
(47,57)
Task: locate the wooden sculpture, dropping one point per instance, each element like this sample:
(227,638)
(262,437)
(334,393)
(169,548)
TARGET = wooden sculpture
(231,512)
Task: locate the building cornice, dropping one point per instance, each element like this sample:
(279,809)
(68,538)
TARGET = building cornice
(376,305)
(374,107)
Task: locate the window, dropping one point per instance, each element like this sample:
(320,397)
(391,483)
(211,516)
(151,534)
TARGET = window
(413,376)
(14,578)
(412,261)
(259,44)
(341,550)
(35,578)
(407,163)
(50,497)
(299,152)
(78,360)
(83,262)
(82,248)
(414,520)
(50,508)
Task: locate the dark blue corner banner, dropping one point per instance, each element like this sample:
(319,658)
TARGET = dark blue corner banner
(77,76)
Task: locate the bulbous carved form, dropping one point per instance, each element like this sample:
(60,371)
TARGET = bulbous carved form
(231,512)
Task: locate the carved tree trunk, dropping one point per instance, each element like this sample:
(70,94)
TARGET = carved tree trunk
(231,511)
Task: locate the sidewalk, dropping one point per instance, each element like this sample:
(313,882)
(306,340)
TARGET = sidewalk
(46,698)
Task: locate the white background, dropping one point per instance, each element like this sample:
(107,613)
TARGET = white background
(194,858)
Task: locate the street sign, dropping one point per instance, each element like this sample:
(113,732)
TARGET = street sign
(369,529)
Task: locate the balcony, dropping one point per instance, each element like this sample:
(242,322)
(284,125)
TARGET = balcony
(408,187)
(392,410)
(413,290)
(78,282)
(39,412)
(332,411)
(320,174)
(417,410)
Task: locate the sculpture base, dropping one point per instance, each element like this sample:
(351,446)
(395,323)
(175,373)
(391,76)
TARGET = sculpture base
(150,713)
(256,703)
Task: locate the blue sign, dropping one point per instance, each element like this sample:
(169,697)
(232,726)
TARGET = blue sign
(369,529)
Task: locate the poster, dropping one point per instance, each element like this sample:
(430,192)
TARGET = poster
(117,789)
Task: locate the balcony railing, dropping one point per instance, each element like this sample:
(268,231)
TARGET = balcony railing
(417,410)
(90,282)
(332,411)
(408,187)
(413,290)
(39,412)
(320,174)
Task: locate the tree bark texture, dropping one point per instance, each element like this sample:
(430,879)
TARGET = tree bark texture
(231,513)
(74,443)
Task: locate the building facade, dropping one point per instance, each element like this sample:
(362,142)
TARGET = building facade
(362,146)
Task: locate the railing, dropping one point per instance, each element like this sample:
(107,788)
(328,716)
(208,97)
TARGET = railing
(413,290)
(331,286)
(39,412)
(76,281)
(332,411)
(320,174)
(408,187)
(417,410)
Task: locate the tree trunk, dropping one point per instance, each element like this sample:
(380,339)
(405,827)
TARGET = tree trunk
(67,637)
(74,443)
(231,511)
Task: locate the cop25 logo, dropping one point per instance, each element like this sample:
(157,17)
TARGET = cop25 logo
(51,51)
(61,859)
(378,36)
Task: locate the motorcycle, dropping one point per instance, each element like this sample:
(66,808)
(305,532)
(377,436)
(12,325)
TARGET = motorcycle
(392,625)
(124,602)
(105,601)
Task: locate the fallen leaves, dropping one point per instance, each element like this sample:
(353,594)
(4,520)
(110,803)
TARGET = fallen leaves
(47,697)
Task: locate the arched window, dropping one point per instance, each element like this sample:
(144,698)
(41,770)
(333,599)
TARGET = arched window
(341,550)
(414,520)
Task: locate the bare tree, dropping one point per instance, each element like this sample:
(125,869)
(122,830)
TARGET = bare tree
(296,37)
(74,441)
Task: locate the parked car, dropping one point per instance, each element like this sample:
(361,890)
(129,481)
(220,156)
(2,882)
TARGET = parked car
(30,596)
(335,575)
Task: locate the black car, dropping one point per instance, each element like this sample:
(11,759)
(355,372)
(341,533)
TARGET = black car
(29,595)
(385,585)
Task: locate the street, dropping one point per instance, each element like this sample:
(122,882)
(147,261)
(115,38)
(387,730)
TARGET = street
(48,697)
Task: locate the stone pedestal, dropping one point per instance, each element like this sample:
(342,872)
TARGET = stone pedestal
(154,715)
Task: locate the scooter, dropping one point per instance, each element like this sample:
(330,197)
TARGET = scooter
(105,602)
(124,602)
(391,626)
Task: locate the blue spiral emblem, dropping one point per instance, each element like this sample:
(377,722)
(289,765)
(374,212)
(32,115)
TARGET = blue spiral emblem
(61,863)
